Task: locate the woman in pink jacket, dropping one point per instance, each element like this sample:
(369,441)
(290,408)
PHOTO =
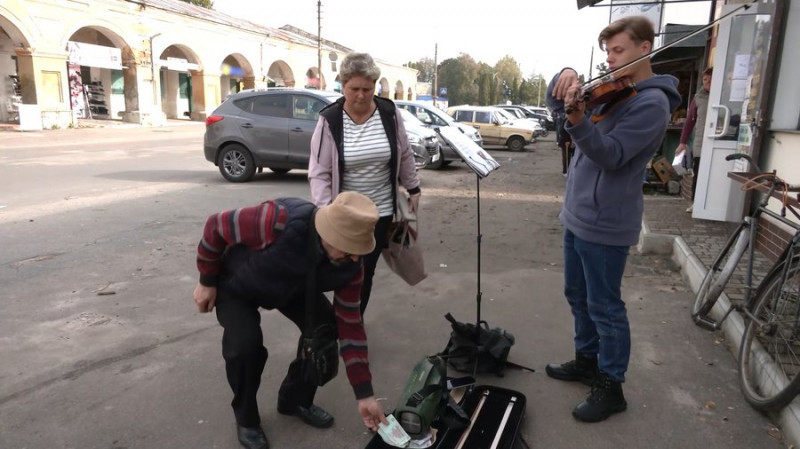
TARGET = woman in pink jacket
(360,144)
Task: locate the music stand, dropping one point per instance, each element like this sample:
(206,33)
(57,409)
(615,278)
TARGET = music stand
(480,162)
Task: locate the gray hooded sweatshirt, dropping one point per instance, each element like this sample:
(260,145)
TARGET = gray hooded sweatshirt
(603,201)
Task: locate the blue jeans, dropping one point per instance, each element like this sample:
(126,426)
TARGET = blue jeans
(592,284)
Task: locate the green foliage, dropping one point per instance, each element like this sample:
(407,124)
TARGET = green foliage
(478,83)
(208,4)
(460,77)
(426,69)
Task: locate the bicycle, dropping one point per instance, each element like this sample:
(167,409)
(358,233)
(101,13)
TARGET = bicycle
(769,353)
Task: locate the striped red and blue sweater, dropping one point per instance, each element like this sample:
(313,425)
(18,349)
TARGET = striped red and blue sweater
(263,229)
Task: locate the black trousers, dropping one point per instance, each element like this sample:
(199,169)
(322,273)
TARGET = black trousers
(245,355)
(371,259)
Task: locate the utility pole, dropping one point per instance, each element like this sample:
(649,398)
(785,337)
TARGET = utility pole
(319,45)
(538,89)
(435,73)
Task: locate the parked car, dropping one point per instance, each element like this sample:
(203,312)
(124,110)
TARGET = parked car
(545,120)
(538,124)
(495,126)
(435,118)
(540,111)
(423,140)
(272,128)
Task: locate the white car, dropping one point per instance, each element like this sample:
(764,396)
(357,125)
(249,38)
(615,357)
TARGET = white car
(520,122)
(516,114)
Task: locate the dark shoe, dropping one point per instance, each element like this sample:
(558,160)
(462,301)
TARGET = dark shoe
(252,437)
(581,369)
(311,415)
(605,399)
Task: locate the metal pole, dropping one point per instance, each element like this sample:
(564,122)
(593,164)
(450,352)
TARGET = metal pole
(539,92)
(156,97)
(319,45)
(435,73)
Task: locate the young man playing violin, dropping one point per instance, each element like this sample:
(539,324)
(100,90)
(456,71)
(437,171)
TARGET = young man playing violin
(615,137)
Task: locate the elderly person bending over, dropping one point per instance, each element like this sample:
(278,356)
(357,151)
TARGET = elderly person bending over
(360,145)
(259,257)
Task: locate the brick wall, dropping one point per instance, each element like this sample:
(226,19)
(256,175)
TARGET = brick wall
(771,239)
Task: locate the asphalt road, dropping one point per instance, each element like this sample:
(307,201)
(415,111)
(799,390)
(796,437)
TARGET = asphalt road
(101,345)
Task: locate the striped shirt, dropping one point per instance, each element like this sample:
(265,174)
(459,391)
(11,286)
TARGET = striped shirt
(366,162)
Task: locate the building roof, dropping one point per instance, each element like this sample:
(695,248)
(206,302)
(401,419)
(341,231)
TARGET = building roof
(287,32)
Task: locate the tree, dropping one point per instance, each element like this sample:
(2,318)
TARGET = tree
(460,77)
(208,4)
(508,73)
(426,69)
(601,68)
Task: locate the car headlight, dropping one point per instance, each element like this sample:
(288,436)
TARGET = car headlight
(414,139)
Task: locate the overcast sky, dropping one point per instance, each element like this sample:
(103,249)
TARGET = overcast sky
(543,36)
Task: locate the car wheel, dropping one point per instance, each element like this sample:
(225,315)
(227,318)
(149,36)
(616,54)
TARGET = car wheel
(545,133)
(279,171)
(515,143)
(236,164)
(439,162)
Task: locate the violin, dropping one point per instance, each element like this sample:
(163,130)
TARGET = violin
(602,90)
(607,87)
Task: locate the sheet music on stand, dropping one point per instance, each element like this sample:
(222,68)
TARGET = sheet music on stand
(475,157)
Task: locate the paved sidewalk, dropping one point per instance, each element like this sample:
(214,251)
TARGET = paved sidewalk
(694,243)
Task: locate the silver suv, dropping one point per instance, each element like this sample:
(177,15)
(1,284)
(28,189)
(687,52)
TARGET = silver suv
(271,128)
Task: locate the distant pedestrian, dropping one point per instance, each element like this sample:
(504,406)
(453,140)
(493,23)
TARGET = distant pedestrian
(696,114)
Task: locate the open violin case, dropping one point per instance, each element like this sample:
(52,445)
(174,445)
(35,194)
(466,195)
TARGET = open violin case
(495,415)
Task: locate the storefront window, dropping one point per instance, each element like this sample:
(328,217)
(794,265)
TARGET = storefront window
(117,83)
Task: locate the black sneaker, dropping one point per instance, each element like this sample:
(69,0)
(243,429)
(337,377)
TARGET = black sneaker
(605,399)
(581,369)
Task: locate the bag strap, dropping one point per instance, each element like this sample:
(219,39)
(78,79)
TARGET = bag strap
(416,398)
(311,276)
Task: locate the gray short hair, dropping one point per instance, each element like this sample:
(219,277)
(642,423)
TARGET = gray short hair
(358,64)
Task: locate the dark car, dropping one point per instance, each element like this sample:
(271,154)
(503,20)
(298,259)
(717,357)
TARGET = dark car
(270,128)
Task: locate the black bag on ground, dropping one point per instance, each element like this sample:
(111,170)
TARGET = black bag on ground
(461,350)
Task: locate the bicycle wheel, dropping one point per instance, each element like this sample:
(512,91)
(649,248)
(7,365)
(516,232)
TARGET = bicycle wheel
(769,355)
(720,271)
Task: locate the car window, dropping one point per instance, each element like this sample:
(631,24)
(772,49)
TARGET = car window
(306,108)
(424,117)
(505,115)
(441,118)
(483,117)
(245,104)
(271,105)
(463,116)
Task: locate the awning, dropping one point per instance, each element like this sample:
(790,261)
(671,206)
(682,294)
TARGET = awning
(94,55)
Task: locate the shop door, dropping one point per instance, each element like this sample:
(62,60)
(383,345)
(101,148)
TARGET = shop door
(734,109)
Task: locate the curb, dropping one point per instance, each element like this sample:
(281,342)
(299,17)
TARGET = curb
(693,270)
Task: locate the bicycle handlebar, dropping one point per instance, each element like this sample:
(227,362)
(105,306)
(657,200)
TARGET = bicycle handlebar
(733,156)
